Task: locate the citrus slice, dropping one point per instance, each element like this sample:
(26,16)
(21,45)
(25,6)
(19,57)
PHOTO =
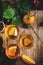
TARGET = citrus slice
(26,40)
(6,30)
(12,51)
(11,30)
(27,59)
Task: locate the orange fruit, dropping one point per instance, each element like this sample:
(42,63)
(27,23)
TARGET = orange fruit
(29,19)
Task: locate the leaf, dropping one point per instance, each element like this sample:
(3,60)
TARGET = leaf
(9,13)
(16,21)
(23,6)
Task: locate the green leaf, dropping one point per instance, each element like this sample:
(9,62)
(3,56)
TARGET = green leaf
(9,13)
(16,21)
(24,6)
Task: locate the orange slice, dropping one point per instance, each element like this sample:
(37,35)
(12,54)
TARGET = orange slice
(11,30)
(12,51)
(6,30)
(26,40)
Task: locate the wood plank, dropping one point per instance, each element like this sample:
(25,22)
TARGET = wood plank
(36,52)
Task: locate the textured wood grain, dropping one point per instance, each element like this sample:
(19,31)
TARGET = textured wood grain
(36,52)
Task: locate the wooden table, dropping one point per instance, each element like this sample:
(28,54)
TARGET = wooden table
(36,52)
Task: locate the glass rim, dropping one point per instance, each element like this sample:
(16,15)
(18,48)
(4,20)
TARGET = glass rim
(3,26)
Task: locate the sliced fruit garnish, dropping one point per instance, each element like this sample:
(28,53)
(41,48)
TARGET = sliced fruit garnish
(26,40)
(11,30)
(6,30)
(27,59)
(12,51)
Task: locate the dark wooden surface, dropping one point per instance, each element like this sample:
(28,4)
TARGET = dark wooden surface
(35,52)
